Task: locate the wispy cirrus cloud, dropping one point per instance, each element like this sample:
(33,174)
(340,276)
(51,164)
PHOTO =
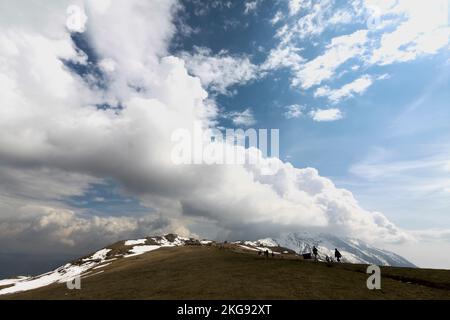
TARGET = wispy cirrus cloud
(293,111)
(323,67)
(393,32)
(283,57)
(242,118)
(294,6)
(356,87)
(277,18)
(251,6)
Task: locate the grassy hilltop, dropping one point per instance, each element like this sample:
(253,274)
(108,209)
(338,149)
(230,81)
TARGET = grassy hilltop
(212,272)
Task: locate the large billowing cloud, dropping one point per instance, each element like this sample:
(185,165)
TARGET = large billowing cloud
(55,141)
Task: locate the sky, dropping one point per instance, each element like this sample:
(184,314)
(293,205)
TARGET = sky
(92,93)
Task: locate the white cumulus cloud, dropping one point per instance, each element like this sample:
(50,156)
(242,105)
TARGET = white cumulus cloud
(221,71)
(326,115)
(293,111)
(356,87)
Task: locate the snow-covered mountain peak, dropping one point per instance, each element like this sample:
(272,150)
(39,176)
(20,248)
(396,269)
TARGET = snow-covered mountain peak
(352,250)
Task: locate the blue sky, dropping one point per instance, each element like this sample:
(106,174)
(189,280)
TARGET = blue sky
(400,120)
(404,116)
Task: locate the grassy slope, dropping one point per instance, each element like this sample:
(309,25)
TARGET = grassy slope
(213,273)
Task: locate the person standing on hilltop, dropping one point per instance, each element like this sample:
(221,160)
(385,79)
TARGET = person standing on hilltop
(338,255)
(315,252)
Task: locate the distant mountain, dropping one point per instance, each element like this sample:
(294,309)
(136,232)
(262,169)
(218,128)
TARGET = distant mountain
(352,250)
(12,264)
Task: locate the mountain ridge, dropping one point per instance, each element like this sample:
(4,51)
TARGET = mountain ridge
(93,264)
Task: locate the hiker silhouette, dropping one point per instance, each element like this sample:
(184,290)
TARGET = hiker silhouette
(315,252)
(338,255)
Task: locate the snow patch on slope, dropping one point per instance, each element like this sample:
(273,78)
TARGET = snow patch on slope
(138,250)
(135,242)
(63,274)
(99,255)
